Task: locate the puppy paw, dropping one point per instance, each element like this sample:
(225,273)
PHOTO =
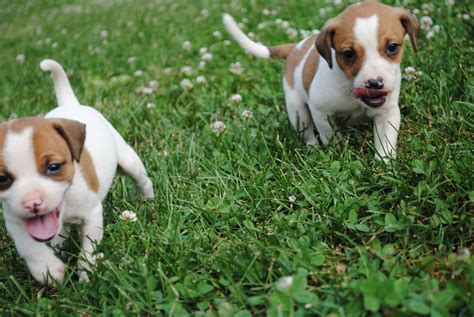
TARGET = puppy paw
(48,271)
(146,189)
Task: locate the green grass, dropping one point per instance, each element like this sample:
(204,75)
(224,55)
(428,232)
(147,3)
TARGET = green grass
(361,238)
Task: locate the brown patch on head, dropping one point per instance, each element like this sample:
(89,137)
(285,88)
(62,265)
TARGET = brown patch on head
(295,58)
(55,141)
(3,169)
(338,34)
(88,171)
(309,69)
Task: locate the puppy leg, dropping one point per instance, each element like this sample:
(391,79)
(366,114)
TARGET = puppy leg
(299,115)
(45,267)
(132,165)
(92,233)
(386,128)
(321,121)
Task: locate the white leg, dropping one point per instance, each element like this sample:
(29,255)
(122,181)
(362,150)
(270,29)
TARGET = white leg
(386,128)
(45,267)
(132,165)
(92,233)
(299,115)
(321,121)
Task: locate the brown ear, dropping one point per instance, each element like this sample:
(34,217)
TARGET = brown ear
(324,42)
(74,133)
(412,27)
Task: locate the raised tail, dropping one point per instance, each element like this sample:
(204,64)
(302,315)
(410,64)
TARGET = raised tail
(256,49)
(64,93)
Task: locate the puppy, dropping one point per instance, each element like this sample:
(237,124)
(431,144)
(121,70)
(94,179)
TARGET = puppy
(57,170)
(350,70)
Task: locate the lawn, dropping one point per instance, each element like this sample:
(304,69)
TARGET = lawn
(247,220)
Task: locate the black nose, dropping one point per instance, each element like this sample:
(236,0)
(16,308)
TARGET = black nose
(375,83)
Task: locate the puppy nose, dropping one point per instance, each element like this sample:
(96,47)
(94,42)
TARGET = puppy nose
(375,83)
(33,204)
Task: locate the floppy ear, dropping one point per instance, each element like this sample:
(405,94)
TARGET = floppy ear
(74,133)
(324,41)
(412,27)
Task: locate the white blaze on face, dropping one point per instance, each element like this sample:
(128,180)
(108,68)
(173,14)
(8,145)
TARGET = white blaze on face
(20,161)
(374,66)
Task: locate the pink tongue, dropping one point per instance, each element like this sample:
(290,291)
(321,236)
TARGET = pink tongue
(43,227)
(369,93)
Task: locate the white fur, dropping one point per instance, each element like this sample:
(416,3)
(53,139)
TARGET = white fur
(330,92)
(250,46)
(77,202)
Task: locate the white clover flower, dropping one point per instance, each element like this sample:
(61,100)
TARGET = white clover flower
(410,70)
(251,35)
(411,73)
(218,127)
(286,282)
(226,42)
(187,46)
(154,84)
(144,90)
(436,28)
(305,33)
(322,11)
(430,35)
(292,199)
(205,13)
(278,21)
(265,11)
(285,24)
(236,68)
(20,58)
(415,11)
(55,45)
(292,33)
(151,105)
(186,84)
(168,70)
(261,25)
(104,34)
(247,114)
(337,2)
(425,23)
(202,65)
(100,256)
(201,80)
(138,73)
(187,70)
(449,3)
(203,50)
(217,34)
(131,60)
(13,115)
(235,98)
(128,215)
(207,57)
(241,25)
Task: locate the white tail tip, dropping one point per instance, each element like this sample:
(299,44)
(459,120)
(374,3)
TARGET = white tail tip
(64,93)
(250,46)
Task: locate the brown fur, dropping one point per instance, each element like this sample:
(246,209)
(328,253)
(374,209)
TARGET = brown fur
(338,34)
(281,51)
(88,171)
(310,67)
(294,59)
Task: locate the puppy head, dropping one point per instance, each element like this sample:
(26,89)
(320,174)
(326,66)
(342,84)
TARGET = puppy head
(36,168)
(367,42)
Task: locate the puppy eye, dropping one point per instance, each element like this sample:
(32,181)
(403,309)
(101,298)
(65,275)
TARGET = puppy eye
(349,54)
(392,49)
(53,168)
(5,181)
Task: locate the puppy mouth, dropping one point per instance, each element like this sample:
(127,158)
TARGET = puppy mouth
(43,227)
(371,97)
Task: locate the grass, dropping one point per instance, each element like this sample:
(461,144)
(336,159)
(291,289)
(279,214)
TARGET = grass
(223,236)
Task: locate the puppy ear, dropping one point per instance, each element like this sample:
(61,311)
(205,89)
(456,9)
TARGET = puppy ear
(412,27)
(324,41)
(74,133)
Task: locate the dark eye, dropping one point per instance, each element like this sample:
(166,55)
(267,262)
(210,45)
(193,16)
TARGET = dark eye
(392,48)
(5,181)
(53,168)
(349,54)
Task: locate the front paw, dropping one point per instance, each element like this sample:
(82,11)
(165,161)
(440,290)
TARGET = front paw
(47,271)
(146,189)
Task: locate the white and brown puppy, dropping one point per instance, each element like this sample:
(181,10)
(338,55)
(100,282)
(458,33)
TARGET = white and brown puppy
(56,170)
(358,76)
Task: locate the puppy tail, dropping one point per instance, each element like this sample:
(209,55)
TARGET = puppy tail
(256,49)
(64,93)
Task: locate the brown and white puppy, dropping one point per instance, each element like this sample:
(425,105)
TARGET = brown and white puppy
(351,69)
(56,170)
